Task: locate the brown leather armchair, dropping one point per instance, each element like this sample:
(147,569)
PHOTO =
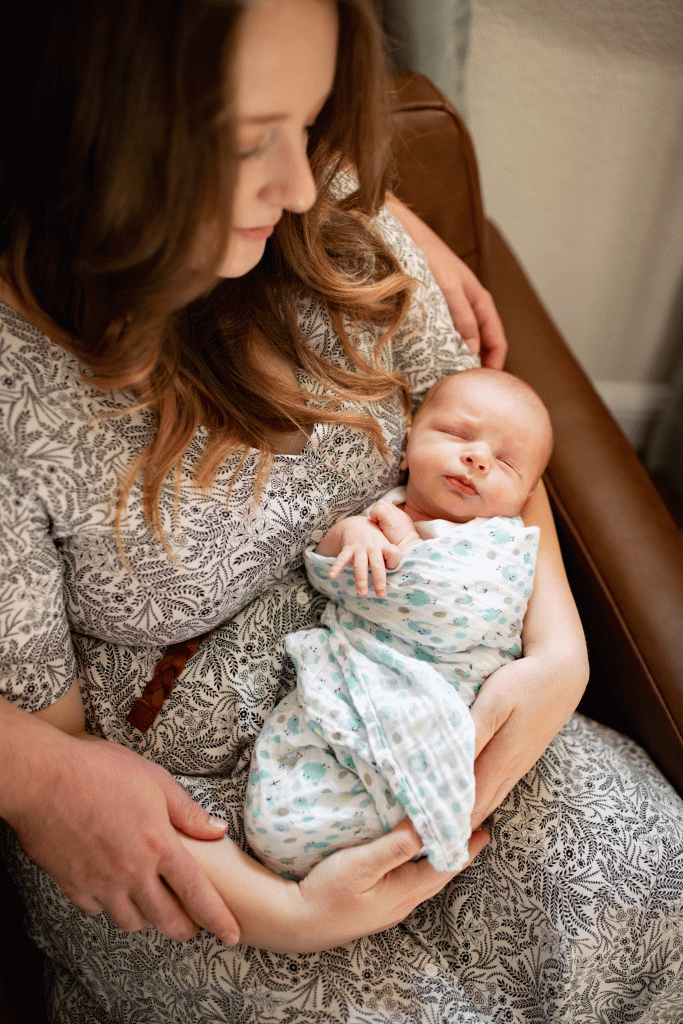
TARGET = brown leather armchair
(623,552)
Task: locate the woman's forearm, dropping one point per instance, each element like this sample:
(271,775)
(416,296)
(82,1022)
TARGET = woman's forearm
(552,627)
(268,909)
(523,705)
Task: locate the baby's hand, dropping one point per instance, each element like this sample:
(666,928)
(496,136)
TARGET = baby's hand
(363,543)
(395,524)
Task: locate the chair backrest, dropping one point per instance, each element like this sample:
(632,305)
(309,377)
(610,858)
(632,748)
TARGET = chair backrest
(437,169)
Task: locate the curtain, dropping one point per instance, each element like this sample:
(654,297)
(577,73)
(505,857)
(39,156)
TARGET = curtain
(430,36)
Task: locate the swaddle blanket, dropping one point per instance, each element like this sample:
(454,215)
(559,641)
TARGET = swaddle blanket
(378,727)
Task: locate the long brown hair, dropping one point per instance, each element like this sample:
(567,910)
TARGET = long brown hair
(104,194)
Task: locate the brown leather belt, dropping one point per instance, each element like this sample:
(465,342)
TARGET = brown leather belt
(166,671)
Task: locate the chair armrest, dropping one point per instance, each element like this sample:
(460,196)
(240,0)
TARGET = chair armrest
(623,553)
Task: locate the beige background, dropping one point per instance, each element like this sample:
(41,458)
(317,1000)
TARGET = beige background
(576,109)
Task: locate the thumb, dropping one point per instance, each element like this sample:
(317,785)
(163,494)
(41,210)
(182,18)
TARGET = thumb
(188,816)
(375,859)
(465,321)
(489,713)
(392,556)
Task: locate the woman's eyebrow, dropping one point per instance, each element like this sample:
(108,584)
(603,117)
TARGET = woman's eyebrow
(262,118)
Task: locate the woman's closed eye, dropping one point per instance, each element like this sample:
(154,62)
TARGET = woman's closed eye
(258,146)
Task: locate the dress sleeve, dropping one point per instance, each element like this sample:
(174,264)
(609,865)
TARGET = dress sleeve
(427,346)
(37,663)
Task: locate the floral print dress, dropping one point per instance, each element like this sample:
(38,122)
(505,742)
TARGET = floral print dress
(573,912)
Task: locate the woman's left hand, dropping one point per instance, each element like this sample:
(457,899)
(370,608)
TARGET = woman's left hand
(518,711)
(471,307)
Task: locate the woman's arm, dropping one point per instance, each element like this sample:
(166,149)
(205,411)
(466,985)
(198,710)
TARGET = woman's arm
(523,705)
(471,306)
(100,820)
(356,891)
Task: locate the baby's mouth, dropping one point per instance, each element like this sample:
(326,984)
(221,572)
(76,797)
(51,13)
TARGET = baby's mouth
(462,485)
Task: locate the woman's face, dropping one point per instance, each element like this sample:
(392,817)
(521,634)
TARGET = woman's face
(285,63)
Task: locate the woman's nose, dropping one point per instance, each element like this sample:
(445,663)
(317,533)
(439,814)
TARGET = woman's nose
(292,185)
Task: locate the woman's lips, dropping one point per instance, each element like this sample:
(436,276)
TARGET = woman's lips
(255,234)
(462,485)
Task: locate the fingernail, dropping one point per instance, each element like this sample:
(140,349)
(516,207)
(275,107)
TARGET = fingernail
(217,823)
(230,938)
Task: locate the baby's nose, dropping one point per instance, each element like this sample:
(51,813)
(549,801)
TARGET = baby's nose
(478,459)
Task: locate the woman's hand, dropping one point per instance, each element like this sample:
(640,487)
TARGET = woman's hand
(471,306)
(366,889)
(354,892)
(518,711)
(99,819)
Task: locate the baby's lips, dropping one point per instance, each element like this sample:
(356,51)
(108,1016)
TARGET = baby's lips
(463,485)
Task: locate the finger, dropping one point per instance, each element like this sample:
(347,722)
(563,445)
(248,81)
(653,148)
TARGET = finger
(379,574)
(497,769)
(493,342)
(464,319)
(161,909)
(432,880)
(490,711)
(493,355)
(491,789)
(478,840)
(187,815)
(373,860)
(392,556)
(125,913)
(360,572)
(88,904)
(342,559)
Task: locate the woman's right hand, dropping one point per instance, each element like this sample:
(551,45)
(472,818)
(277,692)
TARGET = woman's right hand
(99,820)
(366,889)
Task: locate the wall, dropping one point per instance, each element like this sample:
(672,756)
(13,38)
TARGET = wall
(576,109)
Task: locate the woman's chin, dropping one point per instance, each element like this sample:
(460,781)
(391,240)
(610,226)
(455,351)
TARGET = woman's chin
(241,258)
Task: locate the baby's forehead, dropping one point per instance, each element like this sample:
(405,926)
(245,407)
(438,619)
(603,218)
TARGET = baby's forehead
(455,394)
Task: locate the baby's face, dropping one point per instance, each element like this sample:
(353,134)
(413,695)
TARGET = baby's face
(475,450)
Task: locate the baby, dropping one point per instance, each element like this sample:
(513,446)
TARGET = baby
(378,727)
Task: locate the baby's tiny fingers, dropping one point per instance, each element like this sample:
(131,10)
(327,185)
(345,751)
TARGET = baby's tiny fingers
(342,559)
(360,572)
(379,575)
(392,556)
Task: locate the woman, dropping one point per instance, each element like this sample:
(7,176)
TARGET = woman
(171,443)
